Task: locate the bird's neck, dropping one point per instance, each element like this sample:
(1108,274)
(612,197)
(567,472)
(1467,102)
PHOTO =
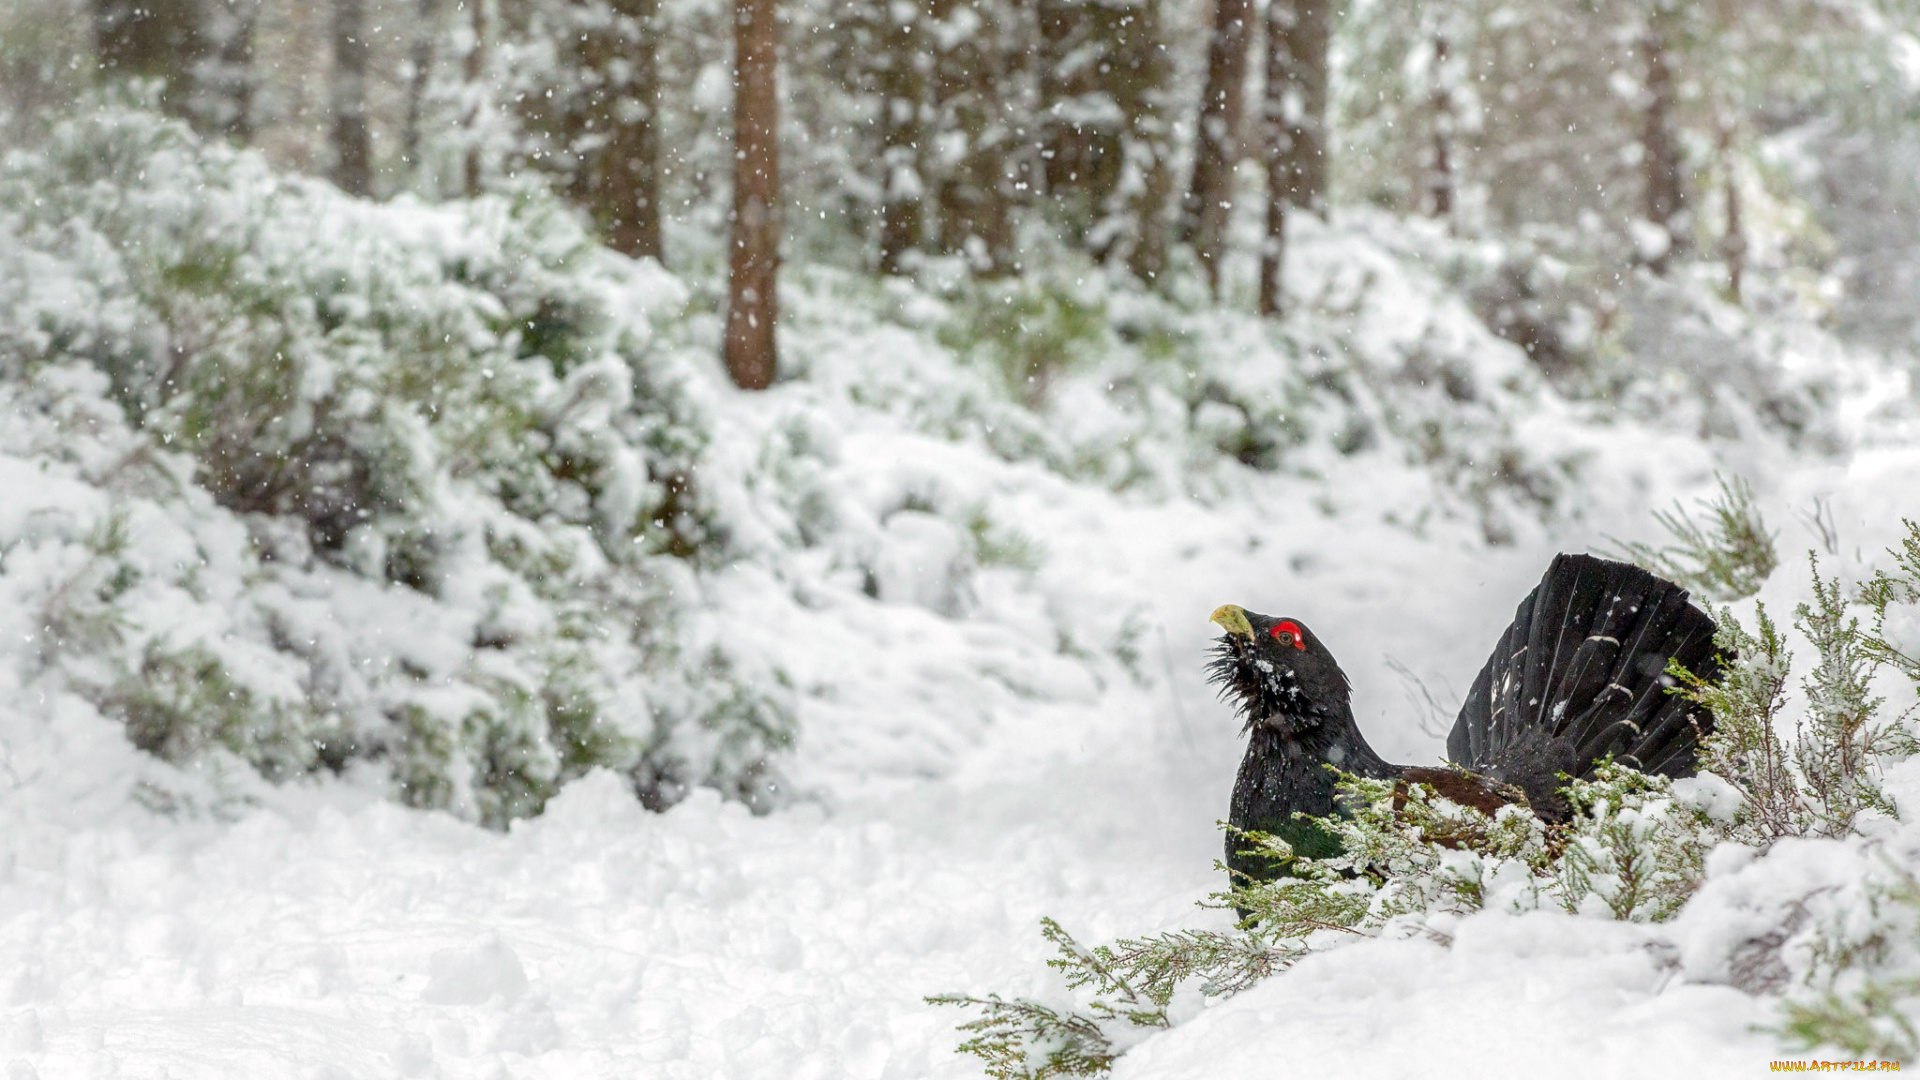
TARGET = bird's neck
(1318,737)
(1286,767)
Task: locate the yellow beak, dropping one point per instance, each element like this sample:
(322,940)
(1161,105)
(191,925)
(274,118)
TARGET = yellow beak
(1232,618)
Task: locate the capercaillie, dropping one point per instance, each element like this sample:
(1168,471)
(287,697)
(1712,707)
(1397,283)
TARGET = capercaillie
(1579,675)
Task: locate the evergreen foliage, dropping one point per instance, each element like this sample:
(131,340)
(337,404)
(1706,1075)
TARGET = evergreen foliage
(1634,849)
(448,410)
(1865,989)
(1727,558)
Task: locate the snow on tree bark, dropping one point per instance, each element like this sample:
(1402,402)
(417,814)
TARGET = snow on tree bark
(1217,146)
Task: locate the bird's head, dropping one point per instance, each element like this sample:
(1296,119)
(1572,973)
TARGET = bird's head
(1275,671)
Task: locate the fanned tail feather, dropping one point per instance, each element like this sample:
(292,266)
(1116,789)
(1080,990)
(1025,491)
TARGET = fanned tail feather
(1580,674)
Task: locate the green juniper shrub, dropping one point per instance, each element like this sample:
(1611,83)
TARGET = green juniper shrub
(1857,1000)
(1726,558)
(1635,847)
(182,702)
(1633,851)
(414,396)
(1030,329)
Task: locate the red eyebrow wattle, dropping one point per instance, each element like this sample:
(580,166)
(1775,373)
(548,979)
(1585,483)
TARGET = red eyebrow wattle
(1288,626)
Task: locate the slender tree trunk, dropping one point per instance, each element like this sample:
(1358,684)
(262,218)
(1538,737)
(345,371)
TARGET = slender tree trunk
(421,56)
(476,71)
(1208,204)
(1440,182)
(615,129)
(902,88)
(352,145)
(1278,132)
(1137,84)
(752,306)
(1660,158)
(969,97)
(633,152)
(1148,258)
(1084,142)
(1733,245)
(1304,104)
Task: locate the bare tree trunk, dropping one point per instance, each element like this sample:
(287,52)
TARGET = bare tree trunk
(476,71)
(752,306)
(633,153)
(1208,204)
(1277,135)
(902,88)
(1440,182)
(421,57)
(1309,26)
(352,145)
(1660,159)
(614,130)
(1149,255)
(1733,245)
(1083,142)
(1137,84)
(969,99)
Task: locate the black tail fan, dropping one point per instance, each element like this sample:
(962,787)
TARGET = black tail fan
(1581,674)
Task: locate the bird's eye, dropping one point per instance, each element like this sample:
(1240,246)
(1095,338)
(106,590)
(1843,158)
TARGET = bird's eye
(1288,633)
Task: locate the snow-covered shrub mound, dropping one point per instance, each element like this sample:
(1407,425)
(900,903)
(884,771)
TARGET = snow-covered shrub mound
(313,481)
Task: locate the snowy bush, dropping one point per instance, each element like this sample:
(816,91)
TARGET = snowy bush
(1827,778)
(1407,862)
(453,477)
(1728,558)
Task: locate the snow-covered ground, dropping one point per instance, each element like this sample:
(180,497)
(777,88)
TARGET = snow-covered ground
(329,933)
(981,742)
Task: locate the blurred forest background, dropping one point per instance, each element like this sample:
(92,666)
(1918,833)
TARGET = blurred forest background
(1161,137)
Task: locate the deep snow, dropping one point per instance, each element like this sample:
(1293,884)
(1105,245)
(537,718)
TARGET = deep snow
(333,934)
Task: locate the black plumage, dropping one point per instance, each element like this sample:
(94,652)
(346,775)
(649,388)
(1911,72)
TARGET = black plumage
(1580,674)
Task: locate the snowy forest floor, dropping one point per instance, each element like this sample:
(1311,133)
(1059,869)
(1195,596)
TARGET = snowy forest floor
(963,767)
(330,934)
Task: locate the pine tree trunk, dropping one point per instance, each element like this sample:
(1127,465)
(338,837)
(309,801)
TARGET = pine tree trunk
(634,153)
(352,145)
(1733,245)
(421,57)
(1217,146)
(1136,82)
(1309,26)
(1081,144)
(1440,182)
(1660,158)
(1148,259)
(616,176)
(1278,130)
(481,26)
(902,88)
(752,305)
(969,102)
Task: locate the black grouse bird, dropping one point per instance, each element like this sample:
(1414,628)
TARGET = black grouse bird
(1579,675)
